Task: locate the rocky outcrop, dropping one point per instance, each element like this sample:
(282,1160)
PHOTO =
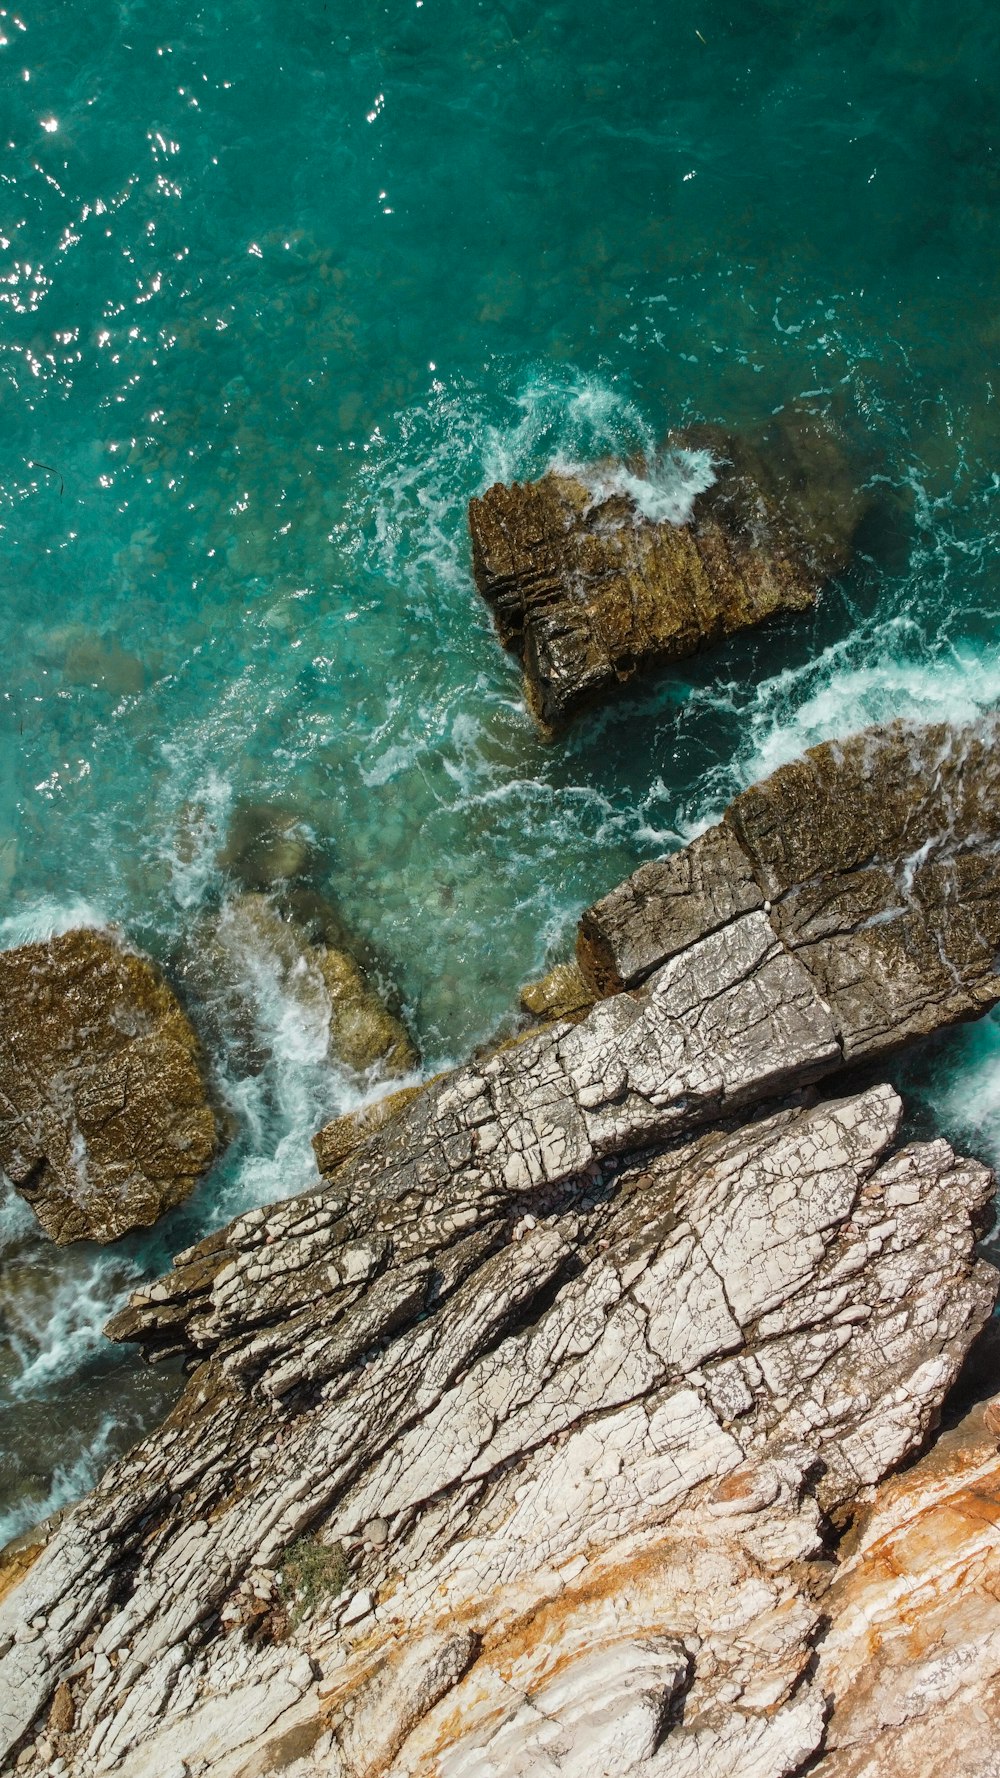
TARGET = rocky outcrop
(522,1443)
(876,863)
(589,584)
(575,1447)
(104,1122)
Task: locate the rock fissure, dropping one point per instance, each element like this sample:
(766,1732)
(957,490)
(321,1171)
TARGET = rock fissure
(579,1372)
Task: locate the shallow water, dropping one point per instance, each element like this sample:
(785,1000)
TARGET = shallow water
(282,286)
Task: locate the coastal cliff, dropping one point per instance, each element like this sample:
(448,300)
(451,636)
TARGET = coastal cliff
(531,1440)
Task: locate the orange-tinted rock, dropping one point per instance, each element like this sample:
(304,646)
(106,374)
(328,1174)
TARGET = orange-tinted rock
(912,1655)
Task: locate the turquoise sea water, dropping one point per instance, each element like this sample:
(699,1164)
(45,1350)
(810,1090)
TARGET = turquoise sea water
(281,286)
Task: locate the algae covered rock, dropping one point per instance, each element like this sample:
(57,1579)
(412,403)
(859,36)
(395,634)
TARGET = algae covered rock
(248,952)
(563,993)
(362,1031)
(104,1121)
(337,1140)
(596,576)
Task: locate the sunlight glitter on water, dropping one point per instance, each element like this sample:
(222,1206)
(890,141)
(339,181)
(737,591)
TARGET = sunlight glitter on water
(249,397)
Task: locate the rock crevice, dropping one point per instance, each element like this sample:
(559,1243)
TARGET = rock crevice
(569,1368)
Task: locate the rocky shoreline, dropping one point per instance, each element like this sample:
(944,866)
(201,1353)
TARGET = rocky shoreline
(551,1432)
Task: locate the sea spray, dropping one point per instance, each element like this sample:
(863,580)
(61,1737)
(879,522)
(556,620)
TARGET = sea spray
(269,392)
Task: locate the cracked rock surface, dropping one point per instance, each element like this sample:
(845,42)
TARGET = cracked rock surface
(576,1457)
(561,1380)
(588,589)
(912,1654)
(878,862)
(104,1121)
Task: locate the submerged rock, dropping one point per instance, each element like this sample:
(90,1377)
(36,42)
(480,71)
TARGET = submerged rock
(589,585)
(267,845)
(572,1367)
(247,956)
(104,1121)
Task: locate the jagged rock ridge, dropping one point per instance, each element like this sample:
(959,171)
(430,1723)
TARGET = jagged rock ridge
(575,1358)
(877,861)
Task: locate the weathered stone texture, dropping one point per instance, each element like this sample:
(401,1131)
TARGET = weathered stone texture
(664,908)
(912,1654)
(588,591)
(575,1471)
(878,860)
(732,1021)
(104,1122)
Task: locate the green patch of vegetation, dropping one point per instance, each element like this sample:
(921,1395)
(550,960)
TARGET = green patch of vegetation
(312,1573)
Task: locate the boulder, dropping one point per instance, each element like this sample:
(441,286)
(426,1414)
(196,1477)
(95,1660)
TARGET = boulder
(589,585)
(104,1120)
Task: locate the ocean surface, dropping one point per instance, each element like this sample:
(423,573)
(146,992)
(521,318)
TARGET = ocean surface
(281,286)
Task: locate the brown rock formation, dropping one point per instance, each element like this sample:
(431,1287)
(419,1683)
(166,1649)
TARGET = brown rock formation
(588,591)
(878,862)
(104,1123)
(563,993)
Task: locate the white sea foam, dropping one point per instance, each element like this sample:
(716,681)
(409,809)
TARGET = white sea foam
(48,916)
(55,1328)
(69,1482)
(665,493)
(873,676)
(190,847)
(967,1097)
(957,688)
(564,415)
(17,1221)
